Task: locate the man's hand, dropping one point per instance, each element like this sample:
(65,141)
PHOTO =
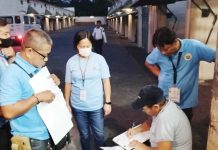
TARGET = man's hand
(9,52)
(138,146)
(55,79)
(45,96)
(131,132)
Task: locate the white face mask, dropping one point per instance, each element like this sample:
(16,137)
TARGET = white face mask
(85,51)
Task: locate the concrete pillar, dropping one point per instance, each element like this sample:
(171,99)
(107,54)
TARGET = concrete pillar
(212,142)
(64,22)
(199,29)
(50,25)
(113,23)
(139,27)
(116,25)
(129,26)
(134,28)
(57,24)
(121,26)
(152,24)
(46,27)
(110,23)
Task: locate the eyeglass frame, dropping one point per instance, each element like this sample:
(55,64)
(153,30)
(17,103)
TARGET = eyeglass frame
(43,56)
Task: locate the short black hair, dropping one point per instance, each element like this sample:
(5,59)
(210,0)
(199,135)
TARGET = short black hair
(3,22)
(99,21)
(80,35)
(163,36)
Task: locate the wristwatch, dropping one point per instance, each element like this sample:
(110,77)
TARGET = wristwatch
(109,103)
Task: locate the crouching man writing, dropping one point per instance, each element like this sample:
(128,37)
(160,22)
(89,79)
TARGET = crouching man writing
(169,126)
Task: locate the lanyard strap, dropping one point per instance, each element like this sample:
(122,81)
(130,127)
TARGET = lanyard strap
(83,72)
(30,75)
(175,67)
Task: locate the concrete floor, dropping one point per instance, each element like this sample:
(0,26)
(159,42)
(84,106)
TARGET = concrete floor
(128,75)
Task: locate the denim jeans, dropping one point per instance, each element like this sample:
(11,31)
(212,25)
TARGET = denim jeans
(5,136)
(39,144)
(87,120)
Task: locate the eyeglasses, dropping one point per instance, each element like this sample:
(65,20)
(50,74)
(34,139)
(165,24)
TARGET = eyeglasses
(45,58)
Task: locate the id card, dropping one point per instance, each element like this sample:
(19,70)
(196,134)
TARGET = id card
(82,95)
(174,94)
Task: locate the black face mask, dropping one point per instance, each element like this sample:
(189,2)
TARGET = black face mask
(5,43)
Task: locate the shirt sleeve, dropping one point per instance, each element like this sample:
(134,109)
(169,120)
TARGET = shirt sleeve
(152,58)
(204,52)
(164,130)
(68,73)
(104,35)
(105,72)
(10,88)
(93,33)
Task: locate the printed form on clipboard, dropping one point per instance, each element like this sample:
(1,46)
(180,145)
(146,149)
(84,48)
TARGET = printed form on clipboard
(123,140)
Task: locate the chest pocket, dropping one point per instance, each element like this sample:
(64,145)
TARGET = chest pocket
(94,71)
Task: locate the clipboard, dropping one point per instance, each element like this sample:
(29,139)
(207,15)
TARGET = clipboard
(123,140)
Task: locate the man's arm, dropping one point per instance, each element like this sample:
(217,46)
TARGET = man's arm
(104,35)
(143,127)
(164,145)
(1,112)
(93,33)
(22,106)
(18,108)
(153,68)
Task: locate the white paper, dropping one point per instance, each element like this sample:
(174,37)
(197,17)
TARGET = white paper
(123,140)
(55,115)
(112,148)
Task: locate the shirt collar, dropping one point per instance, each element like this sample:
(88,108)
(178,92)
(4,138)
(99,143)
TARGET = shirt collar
(181,46)
(26,65)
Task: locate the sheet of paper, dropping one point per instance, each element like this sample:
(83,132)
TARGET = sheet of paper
(123,140)
(112,148)
(55,115)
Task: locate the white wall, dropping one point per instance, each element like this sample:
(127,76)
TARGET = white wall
(9,7)
(88,19)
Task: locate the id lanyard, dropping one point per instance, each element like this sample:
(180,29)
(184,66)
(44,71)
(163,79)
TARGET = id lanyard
(83,72)
(175,67)
(30,75)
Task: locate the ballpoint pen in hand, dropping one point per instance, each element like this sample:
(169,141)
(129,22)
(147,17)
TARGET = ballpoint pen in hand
(133,124)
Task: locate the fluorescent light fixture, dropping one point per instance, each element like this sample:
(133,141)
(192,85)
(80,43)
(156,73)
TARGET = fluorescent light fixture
(119,12)
(127,10)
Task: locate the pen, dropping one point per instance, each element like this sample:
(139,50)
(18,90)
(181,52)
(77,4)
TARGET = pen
(133,124)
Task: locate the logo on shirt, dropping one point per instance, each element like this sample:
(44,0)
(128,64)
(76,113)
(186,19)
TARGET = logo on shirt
(95,68)
(188,56)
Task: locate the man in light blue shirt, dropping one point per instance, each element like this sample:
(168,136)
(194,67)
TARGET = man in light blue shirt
(176,63)
(5,51)
(17,99)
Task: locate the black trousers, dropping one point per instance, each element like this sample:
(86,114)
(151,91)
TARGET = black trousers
(188,112)
(98,44)
(5,137)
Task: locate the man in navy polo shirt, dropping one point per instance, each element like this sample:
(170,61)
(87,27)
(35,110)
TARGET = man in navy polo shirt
(17,99)
(176,63)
